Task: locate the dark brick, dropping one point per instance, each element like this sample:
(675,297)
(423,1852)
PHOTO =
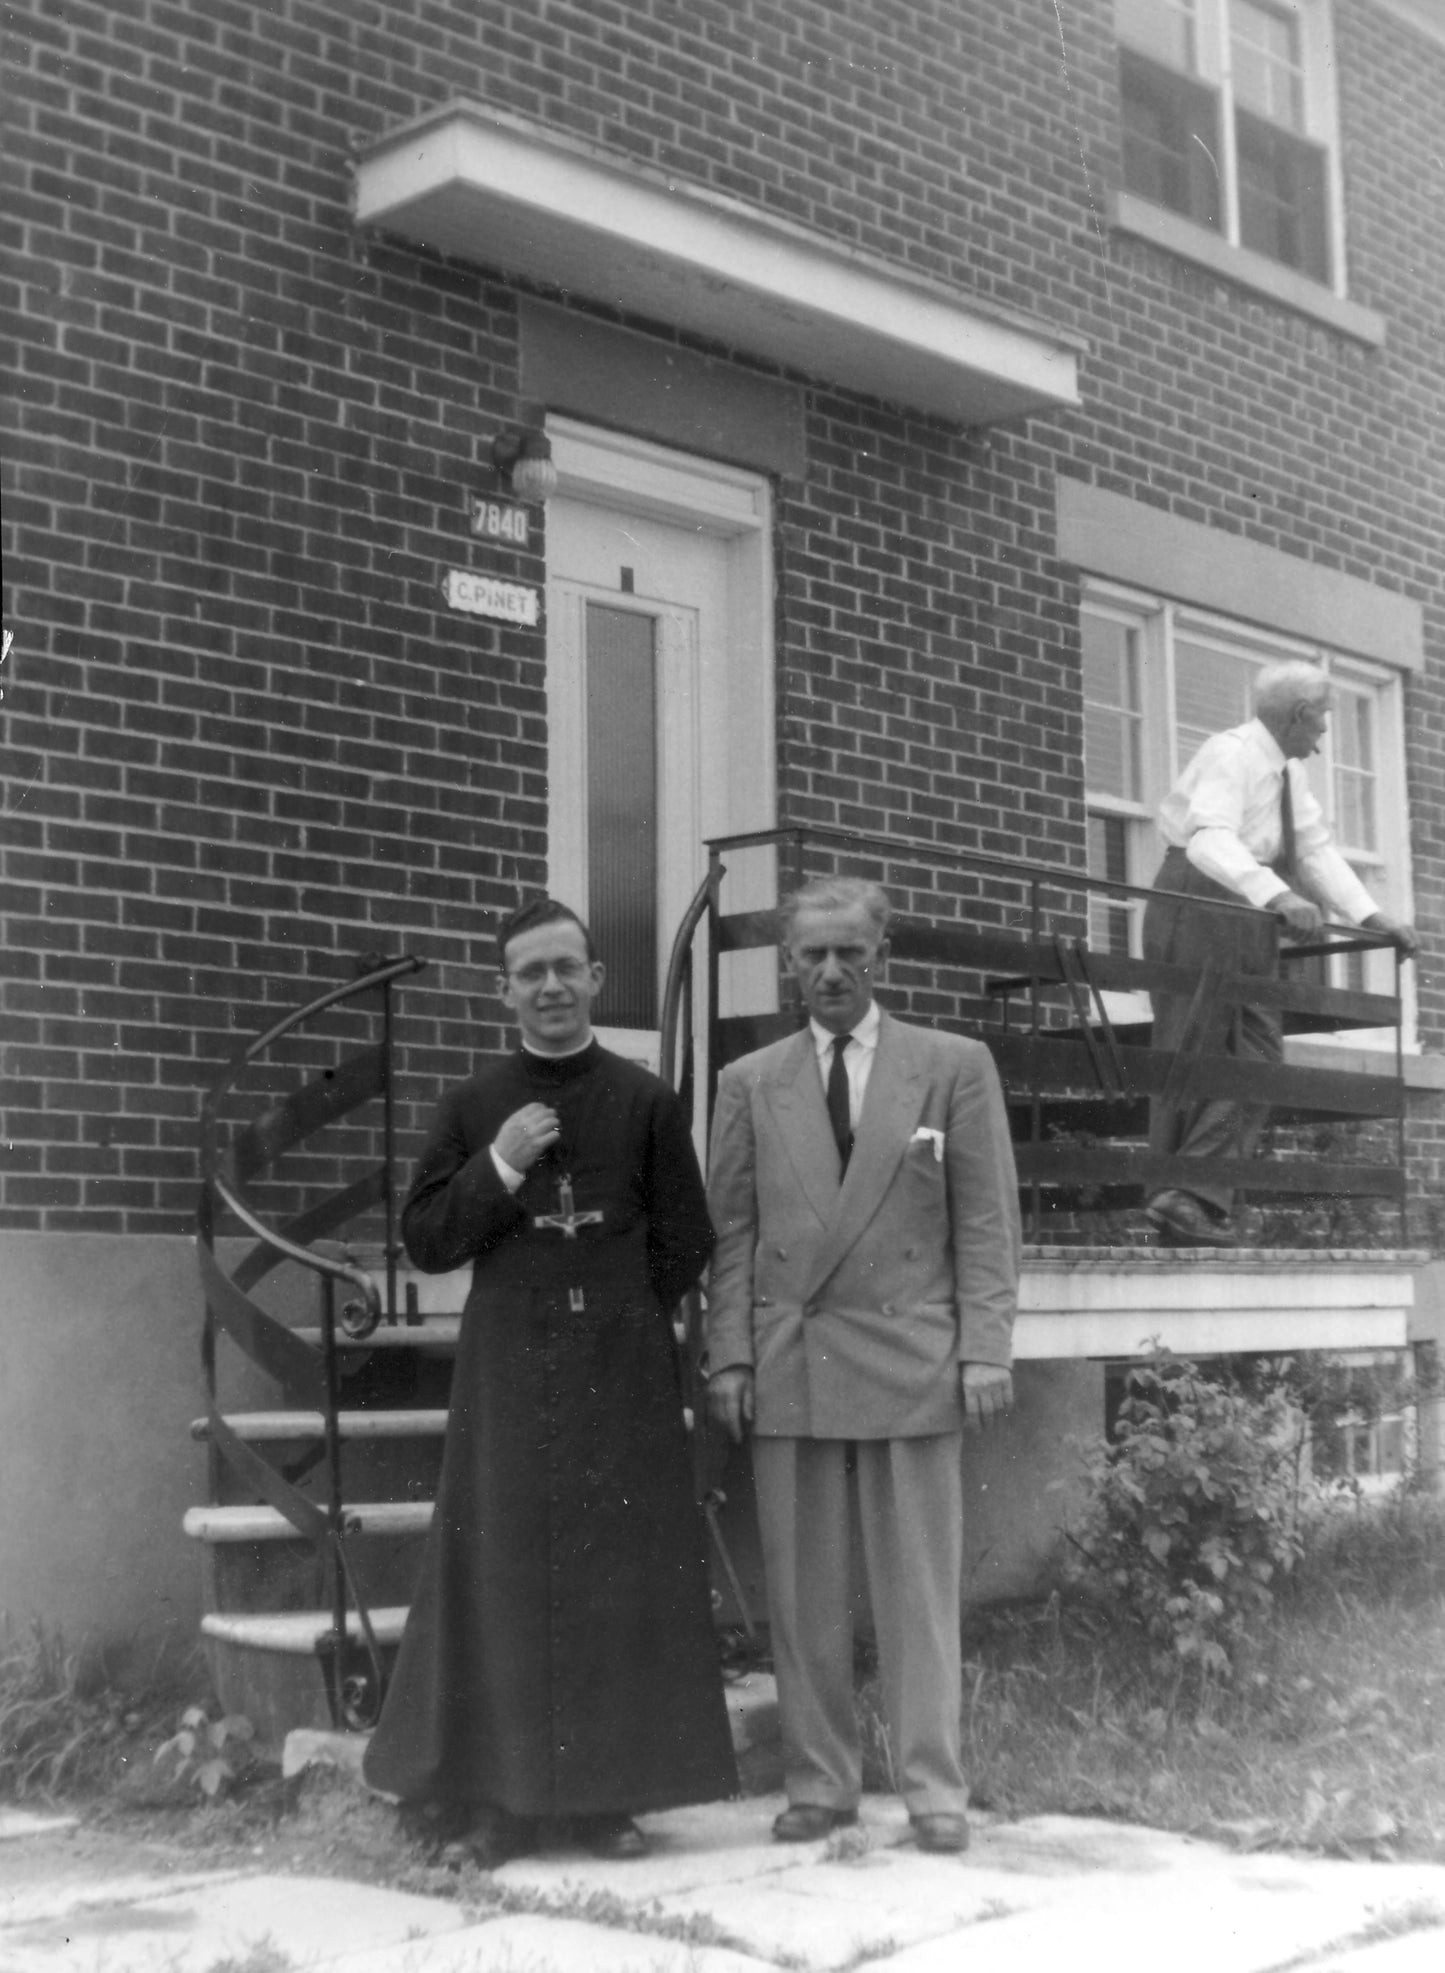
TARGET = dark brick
(242,455)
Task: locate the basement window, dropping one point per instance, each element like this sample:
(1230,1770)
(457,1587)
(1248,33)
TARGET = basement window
(1362,1422)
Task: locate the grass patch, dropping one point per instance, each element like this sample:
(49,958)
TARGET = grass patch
(83,1725)
(71,1716)
(1330,1736)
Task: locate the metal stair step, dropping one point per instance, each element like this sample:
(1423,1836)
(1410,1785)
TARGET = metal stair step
(257,1427)
(247,1523)
(297,1633)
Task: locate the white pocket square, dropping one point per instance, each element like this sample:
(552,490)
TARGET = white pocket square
(923,1135)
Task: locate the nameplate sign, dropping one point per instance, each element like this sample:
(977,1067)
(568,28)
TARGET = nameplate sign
(485,596)
(495,520)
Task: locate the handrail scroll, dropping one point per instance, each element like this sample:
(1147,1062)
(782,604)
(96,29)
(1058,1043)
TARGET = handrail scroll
(308,1374)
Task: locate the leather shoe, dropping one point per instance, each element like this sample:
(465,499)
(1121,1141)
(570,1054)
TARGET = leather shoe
(613,1837)
(496,1836)
(944,1835)
(1185,1221)
(810,1822)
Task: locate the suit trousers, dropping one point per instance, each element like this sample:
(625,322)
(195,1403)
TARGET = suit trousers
(907,1498)
(1192,935)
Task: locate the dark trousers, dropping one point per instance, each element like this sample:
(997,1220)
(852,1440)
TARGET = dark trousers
(1192,935)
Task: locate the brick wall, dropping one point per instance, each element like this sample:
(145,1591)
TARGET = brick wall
(246,742)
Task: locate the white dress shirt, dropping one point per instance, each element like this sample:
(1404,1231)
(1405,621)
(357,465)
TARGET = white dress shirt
(1224,813)
(857,1057)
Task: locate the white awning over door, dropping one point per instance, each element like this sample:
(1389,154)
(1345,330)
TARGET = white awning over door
(484,186)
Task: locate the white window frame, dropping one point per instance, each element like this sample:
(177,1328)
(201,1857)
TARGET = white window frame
(731,718)
(1158,622)
(1215,70)
(1378,1478)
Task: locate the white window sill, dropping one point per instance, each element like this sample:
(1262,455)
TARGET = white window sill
(1247,269)
(1365,1057)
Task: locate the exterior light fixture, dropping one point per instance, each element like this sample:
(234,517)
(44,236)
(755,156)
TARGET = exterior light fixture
(524,461)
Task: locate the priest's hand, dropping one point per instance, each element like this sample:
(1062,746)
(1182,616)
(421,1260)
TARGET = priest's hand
(730,1400)
(526,1135)
(1300,918)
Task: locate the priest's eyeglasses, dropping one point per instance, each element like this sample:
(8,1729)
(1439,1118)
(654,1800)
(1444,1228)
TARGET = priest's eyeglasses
(571,972)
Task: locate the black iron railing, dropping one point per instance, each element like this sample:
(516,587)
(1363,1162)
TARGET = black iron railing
(308,1374)
(999,949)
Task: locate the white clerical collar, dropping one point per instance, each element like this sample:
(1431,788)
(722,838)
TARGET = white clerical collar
(566,1054)
(865,1033)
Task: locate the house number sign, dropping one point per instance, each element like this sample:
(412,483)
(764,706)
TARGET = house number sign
(485,596)
(494,520)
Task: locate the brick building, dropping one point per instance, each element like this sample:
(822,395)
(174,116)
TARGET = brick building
(951,404)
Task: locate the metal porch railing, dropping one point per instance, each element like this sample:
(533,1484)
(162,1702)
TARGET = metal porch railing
(996,947)
(308,1374)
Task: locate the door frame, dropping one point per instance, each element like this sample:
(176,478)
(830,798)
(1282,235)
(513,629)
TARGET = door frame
(618,471)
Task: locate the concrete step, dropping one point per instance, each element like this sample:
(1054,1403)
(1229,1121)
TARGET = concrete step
(260,1427)
(437,1332)
(296,1633)
(378,1517)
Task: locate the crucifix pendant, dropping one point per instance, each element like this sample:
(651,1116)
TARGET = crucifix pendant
(566,1221)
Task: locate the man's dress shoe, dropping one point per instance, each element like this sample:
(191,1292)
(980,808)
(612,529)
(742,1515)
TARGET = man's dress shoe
(1185,1221)
(944,1835)
(809,1822)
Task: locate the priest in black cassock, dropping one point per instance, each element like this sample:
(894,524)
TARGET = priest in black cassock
(559,1664)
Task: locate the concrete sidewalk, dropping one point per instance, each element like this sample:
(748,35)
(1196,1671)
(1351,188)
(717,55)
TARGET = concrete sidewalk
(717,1896)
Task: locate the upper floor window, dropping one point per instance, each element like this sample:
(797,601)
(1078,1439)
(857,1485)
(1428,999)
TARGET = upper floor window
(1158,679)
(1228,120)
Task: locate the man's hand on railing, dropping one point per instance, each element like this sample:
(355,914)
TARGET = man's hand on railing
(1402,936)
(1300,918)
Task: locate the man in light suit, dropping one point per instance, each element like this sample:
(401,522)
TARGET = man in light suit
(860,1307)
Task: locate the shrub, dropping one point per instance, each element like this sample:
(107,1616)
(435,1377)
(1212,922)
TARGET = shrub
(1193,1511)
(213,1753)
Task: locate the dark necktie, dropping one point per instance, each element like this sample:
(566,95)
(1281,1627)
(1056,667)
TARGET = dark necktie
(838,1101)
(1286,867)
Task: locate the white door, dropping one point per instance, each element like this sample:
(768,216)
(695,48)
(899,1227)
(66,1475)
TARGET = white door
(659,702)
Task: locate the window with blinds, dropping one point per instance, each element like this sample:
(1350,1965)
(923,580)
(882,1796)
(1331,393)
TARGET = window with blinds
(1158,679)
(1113,747)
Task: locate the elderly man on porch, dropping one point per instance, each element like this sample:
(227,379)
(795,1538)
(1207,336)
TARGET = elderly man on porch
(1242,826)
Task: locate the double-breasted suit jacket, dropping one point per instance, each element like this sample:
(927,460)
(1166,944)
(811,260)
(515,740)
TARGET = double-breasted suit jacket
(856,1301)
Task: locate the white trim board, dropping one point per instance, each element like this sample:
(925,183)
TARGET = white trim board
(1086,1304)
(1129,541)
(500,191)
(1082,1304)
